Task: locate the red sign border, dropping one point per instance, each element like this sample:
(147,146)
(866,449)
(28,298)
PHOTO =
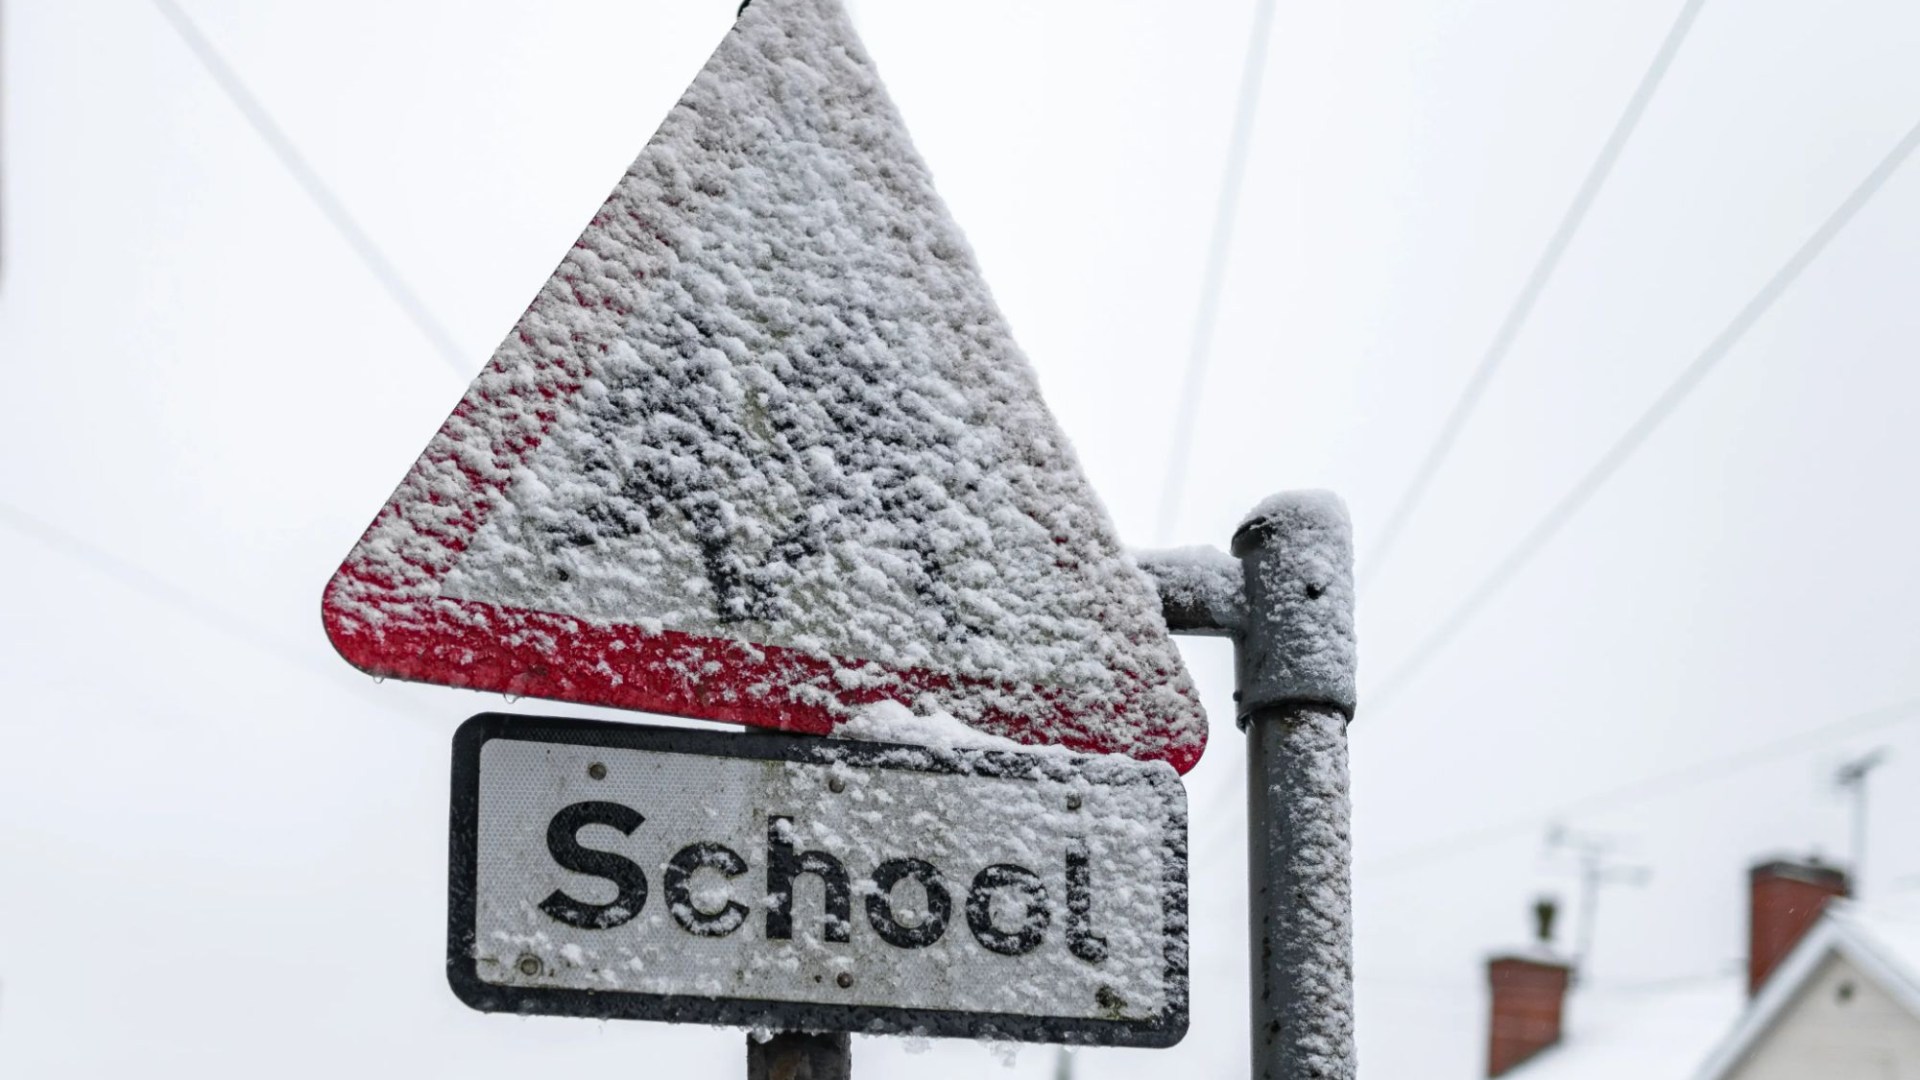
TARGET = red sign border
(521,652)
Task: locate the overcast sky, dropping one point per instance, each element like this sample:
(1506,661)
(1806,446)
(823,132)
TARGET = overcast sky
(222,849)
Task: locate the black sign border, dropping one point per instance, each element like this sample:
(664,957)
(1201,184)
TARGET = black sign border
(1164,1029)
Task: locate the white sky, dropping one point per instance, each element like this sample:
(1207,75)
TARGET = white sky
(223,851)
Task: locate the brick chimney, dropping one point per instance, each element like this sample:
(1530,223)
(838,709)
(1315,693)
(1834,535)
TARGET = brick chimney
(1786,899)
(1529,991)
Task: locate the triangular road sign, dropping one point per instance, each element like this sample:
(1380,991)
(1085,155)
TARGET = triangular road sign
(763,450)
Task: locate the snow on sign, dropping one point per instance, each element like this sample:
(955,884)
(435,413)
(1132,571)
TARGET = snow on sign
(616,870)
(763,450)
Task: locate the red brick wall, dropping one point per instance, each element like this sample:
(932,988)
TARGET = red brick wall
(1527,999)
(1786,899)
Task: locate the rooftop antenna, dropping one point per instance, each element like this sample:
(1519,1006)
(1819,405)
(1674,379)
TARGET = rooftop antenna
(1597,869)
(1851,778)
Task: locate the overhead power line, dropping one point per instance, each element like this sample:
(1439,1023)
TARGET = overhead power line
(1637,433)
(133,577)
(1659,784)
(1627,794)
(323,197)
(167,593)
(1536,283)
(1218,246)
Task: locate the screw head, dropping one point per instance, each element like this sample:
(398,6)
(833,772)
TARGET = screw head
(844,980)
(597,770)
(529,964)
(837,784)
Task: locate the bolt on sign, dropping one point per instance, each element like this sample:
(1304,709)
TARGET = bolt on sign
(617,870)
(762,450)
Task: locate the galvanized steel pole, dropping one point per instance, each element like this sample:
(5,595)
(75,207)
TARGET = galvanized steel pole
(1294,666)
(794,1056)
(1288,605)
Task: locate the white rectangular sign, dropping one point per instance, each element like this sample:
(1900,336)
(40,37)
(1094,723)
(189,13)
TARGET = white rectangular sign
(798,883)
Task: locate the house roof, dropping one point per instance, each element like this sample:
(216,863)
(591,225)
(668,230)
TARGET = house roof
(1656,1031)
(1897,934)
(1884,943)
(1700,1029)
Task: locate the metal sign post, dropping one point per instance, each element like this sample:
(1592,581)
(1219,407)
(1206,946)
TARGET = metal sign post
(1288,605)
(794,1056)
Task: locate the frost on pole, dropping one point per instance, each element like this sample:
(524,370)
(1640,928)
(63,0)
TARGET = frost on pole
(762,450)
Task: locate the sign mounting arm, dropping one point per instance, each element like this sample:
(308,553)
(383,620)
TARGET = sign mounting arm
(1285,597)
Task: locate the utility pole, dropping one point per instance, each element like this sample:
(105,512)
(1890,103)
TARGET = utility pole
(1851,778)
(1597,871)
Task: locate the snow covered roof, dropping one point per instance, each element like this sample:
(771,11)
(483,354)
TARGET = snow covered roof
(1895,938)
(1702,1028)
(1660,1031)
(1884,943)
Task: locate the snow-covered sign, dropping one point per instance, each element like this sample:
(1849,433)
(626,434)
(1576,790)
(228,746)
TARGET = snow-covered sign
(616,870)
(763,450)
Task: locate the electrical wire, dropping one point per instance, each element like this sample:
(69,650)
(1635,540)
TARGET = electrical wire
(1536,283)
(1226,209)
(382,268)
(316,188)
(1375,699)
(1628,794)
(167,593)
(1650,787)
(1640,430)
(1516,316)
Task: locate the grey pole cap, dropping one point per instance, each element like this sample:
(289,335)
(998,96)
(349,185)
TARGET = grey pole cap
(1296,553)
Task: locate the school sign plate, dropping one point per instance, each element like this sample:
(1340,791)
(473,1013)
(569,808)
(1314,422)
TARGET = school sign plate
(811,884)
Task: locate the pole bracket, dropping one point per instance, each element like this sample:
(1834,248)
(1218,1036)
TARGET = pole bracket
(1285,597)
(1201,589)
(1296,552)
